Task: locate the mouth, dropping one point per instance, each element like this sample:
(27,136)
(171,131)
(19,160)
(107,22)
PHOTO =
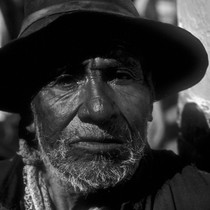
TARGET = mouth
(97,144)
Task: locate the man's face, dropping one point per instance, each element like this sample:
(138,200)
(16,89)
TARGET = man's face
(91,121)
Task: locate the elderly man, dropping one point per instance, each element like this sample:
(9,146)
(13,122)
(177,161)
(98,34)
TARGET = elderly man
(84,75)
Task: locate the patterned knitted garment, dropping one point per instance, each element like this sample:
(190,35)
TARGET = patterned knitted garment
(36,194)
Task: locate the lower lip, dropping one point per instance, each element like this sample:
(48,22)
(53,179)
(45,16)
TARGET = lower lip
(96,146)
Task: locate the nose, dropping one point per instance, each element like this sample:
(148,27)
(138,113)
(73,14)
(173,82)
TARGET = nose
(97,111)
(98,106)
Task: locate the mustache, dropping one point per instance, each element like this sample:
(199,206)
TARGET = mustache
(117,130)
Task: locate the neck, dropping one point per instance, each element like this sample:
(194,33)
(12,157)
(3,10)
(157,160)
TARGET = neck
(68,200)
(61,199)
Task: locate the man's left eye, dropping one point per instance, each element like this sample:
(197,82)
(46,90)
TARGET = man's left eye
(124,75)
(65,79)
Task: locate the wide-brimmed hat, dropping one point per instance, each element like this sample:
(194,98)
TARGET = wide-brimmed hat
(59,32)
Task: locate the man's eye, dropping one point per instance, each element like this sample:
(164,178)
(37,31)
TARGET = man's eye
(65,79)
(124,75)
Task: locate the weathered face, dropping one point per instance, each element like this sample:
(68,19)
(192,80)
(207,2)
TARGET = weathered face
(91,121)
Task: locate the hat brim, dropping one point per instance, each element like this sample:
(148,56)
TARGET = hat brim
(175,57)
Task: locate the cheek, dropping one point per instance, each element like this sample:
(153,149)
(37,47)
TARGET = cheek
(55,110)
(135,104)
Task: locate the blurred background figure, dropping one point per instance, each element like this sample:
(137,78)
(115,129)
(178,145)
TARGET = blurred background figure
(4,36)
(147,8)
(167,11)
(194,140)
(161,10)
(11,13)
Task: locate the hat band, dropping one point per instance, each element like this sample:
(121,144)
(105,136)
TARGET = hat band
(75,6)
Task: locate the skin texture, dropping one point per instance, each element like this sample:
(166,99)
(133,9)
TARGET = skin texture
(91,122)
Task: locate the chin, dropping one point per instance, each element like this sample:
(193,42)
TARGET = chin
(91,171)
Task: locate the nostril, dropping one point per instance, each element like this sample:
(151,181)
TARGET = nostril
(83,113)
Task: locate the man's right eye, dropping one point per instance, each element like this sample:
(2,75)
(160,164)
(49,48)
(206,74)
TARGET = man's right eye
(65,81)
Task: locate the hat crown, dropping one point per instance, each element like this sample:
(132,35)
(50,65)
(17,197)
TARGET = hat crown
(32,6)
(47,11)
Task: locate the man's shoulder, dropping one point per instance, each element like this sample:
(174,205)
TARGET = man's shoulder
(173,166)
(189,189)
(11,181)
(186,187)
